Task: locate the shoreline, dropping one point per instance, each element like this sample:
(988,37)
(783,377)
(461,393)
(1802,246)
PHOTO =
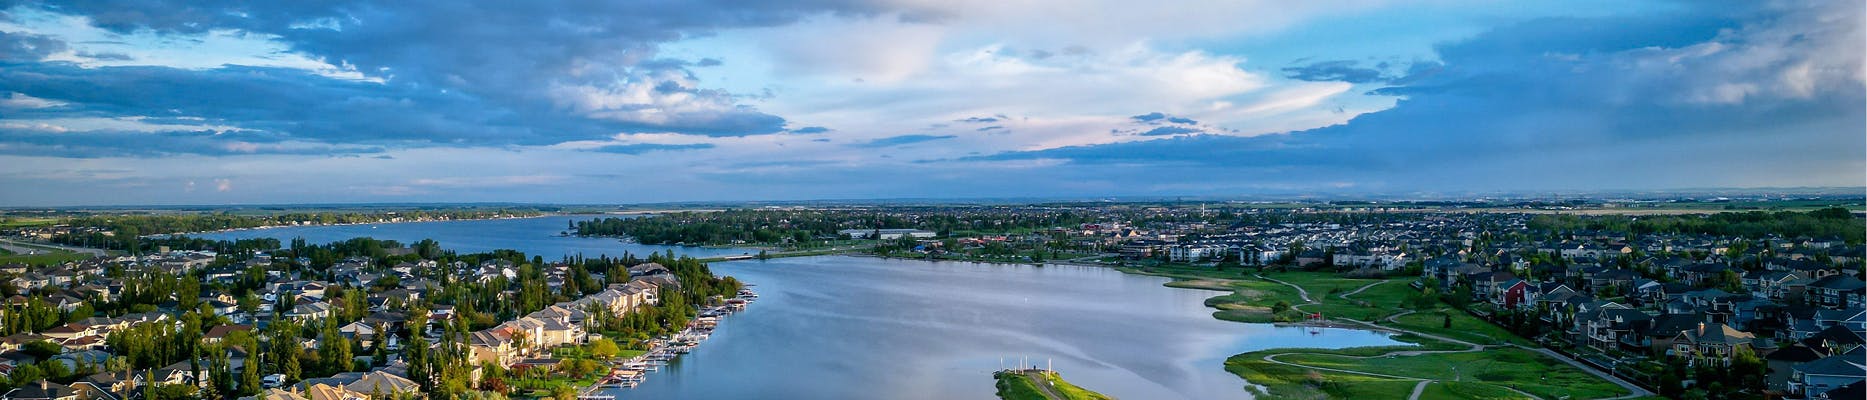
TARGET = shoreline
(256,228)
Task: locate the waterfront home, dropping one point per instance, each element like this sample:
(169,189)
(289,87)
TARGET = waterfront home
(491,346)
(645,269)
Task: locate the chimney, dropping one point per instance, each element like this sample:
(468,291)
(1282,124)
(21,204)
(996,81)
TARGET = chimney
(45,385)
(1701,329)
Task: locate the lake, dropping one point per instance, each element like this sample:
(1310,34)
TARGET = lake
(839,327)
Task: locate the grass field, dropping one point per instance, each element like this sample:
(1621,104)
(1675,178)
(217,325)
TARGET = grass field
(22,222)
(1525,370)
(1464,327)
(1468,390)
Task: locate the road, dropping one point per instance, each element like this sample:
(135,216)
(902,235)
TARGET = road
(37,248)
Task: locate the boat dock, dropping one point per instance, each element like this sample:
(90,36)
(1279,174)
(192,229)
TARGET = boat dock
(627,374)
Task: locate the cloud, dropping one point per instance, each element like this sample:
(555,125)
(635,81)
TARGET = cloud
(591,71)
(1337,71)
(17,100)
(1168,131)
(903,140)
(1764,97)
(810,130)
(27,47)
(639,148)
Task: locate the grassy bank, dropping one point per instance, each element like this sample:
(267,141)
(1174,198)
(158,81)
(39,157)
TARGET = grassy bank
(1041,385)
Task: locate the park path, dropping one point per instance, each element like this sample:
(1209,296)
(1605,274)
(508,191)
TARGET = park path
(1417,389)
(1633,390)
(1043,384)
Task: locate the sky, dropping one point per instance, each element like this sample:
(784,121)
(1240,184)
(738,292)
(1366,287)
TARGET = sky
(152,102)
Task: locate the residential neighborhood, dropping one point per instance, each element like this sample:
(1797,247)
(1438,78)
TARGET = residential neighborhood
(377,320)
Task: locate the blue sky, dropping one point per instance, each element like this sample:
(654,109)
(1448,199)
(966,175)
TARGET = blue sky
(208,102)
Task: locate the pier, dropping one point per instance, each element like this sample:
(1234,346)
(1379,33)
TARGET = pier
(627,374)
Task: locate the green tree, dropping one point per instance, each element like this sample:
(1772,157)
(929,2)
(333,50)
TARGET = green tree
(603,349)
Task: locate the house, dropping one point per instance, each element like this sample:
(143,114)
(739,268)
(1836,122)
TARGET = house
(277,394)
(328,392)
(215,334)
(1836,291)
(312,310)
(41,390)
(1817,377)
(1769,284)
(379,384)
(491,346)
(1606,327)
(1517,295)
(113,385)
(1715,340)
(1782,363)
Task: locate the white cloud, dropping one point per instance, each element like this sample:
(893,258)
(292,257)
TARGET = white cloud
(17,100)
(1798,55)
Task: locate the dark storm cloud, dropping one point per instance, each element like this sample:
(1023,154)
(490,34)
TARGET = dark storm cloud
(471,72)
(27,47)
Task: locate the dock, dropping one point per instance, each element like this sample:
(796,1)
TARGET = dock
(627,374)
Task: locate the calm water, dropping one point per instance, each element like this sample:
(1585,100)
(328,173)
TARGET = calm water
(863,328)
(534,236)
(855,327)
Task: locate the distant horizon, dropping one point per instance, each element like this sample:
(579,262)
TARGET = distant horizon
(1838,193)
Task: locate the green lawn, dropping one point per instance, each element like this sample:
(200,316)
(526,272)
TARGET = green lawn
(1071,391)
(1528,371)
(1464,327)
(1468,390)
(625,354)
(1021,386)
(22,222)
(1017,387)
